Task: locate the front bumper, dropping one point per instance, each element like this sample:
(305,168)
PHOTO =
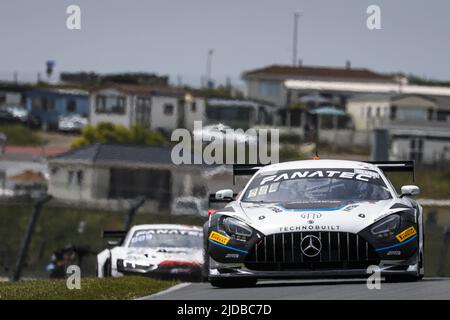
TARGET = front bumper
(341,254)
(386,268)
(157,271)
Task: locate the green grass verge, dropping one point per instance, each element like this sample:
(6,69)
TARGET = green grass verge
(434,184)
(58,227)
(21,135)
(91,289)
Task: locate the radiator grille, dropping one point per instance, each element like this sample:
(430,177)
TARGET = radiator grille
(338,250)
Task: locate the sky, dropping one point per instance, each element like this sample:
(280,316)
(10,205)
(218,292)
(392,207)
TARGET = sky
(172,37)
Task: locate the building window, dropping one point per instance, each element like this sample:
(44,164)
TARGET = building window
(416,149)
(80,177)
(168,109)
(369,112)
(393,113)
(430,114)
(193,106)
(71,105)
(42,104)
(269,88)
(36,104)
(100,103)
(54,170)
(110,104)
(143,102)
(378,114)
(70,175)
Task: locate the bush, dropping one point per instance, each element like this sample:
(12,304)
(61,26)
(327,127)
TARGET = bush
(108,132)
(20,135)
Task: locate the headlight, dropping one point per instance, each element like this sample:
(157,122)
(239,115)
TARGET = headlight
(387,225)
(234,227)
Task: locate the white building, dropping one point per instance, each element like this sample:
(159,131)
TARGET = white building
(371,111)
(154,108)
(418,126)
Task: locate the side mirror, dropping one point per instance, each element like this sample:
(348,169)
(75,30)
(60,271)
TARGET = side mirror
(409,190)
(226,194)
(112,243)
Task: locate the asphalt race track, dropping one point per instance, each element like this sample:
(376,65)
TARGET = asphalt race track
(428,288)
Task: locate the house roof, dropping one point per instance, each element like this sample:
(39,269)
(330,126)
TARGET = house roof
(28,176)
(141,89)
(113,152)
(388,97)
(235,103)
(319,72)
(59,91)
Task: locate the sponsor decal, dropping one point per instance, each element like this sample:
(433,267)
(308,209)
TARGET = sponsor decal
(261,217)
(369,173)
(383,216)
(145,235)
(361,215)
(276,209)
(310,228)
(311,216)
(303,174)
(350,207)
(219,238)
(232,255)
(394,253)
(406,234)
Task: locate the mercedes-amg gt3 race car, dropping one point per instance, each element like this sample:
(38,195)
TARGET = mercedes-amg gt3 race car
(316,219)
(158,250)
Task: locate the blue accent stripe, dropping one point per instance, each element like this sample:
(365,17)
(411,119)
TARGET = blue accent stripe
(398,244)
(228,247)
(313,210)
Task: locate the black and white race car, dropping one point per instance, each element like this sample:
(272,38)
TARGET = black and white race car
(316,219)
(156,250)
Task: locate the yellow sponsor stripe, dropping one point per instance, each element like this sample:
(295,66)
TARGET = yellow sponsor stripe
(219,238)
(406,234)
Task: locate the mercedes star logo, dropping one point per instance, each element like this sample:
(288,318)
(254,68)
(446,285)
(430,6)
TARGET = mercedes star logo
(311,246)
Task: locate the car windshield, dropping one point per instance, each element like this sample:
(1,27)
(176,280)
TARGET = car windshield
(317,185)
(166,238)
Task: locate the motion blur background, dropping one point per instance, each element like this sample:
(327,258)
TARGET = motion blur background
(86,115)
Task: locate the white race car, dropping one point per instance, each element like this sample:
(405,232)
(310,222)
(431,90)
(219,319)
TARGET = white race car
(159,250)
(316,219)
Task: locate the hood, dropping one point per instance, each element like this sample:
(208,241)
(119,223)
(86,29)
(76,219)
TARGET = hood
(344,216)
(157,255)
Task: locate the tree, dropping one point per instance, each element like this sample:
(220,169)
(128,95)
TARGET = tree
(105,132)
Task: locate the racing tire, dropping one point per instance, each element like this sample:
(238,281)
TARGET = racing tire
(205,266)
(107,268)
(233,283)
(408,278)
(402,278)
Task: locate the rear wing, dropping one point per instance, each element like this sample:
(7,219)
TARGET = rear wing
(115,234)
(396,166)
(245,170)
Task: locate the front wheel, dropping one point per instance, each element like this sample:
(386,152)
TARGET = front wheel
(403,278)
(233,283)
(107,268)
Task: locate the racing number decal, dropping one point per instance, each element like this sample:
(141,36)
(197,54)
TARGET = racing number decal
(405,234)
(219,238)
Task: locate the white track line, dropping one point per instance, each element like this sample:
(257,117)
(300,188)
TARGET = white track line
(169,290)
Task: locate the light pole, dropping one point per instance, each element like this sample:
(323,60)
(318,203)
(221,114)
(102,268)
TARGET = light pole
(297,15)
(208,68)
